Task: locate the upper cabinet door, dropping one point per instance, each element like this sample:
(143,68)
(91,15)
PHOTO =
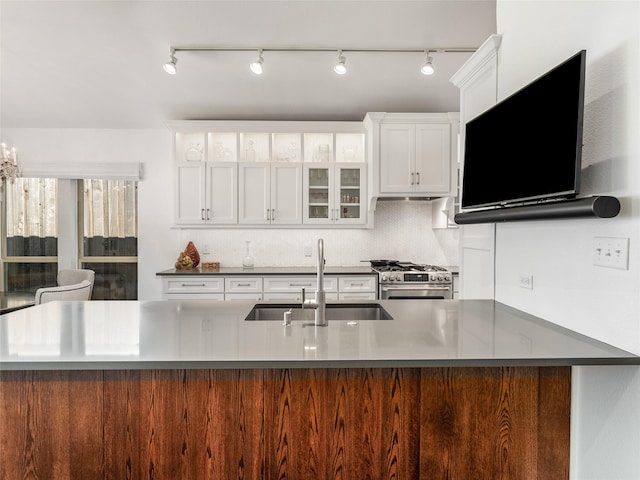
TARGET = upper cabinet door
(433,158)
(350,193)
(254,193)
(190,205)
(286,193)
(222,205)
(318,197)
(397,157)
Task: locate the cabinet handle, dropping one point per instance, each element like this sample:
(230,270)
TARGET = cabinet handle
(418,175)
(412,174)
(300,284)
(202,214)
(208,218)
(193,284)
(244,284)
(356,284)
(268,216)
(273,214)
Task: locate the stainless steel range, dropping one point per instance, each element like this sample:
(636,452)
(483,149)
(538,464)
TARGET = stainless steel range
(406,280)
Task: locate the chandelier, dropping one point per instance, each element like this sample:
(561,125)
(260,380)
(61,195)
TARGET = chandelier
(9,168)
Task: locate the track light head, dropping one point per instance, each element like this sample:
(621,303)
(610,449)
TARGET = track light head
(256,67)
(170,66)
(340,67)
(427,68)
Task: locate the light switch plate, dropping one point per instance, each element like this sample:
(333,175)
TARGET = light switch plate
(611,252)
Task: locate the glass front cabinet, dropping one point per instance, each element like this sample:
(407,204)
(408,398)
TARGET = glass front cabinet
(262,177)
(334,194)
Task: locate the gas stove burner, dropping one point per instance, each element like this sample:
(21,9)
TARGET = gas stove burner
(409,272)
(396,266)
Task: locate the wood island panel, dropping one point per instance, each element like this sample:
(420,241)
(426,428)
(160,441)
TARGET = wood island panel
(342,423)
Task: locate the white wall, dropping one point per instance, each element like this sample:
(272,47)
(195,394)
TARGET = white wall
(568,289)
(402,229)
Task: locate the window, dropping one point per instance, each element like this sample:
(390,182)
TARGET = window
(103,238)
(30,242)
(109,243)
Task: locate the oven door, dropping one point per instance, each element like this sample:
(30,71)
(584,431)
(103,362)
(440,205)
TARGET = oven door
(415,291)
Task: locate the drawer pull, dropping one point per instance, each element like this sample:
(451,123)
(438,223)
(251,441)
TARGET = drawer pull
(193,284)
(244,284)
(300,284)
(357,284)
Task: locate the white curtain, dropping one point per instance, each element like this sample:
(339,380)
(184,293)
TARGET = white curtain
(110,208)
(31,207)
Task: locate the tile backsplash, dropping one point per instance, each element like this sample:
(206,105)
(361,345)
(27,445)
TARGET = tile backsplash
(402,232)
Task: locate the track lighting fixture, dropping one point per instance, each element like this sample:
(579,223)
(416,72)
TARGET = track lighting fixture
(340,67)
(256,67)
(170,66)
(427,68)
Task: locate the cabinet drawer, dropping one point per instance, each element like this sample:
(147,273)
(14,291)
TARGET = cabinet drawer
(297,296)
(192,284)
(194,296)
(243,284)
(358,284)
(296,284)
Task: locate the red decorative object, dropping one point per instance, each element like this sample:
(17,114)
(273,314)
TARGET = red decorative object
(192,251)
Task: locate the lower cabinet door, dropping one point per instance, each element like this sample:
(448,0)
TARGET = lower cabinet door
(194,296)
(243,296)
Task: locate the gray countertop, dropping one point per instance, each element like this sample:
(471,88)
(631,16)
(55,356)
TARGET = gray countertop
(355,270)
(101,335)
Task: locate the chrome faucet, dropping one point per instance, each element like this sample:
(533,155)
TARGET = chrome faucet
(319,303)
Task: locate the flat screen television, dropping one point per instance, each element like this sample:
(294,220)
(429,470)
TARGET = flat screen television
(528,147)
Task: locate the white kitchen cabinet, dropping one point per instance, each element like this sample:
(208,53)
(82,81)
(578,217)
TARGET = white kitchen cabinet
(285,288)
(290,288)
(415,158)
(251,172)
(358,287)
(411,154)
(270,193)
(206,193)
(243,288)
(189,288)
(335,193)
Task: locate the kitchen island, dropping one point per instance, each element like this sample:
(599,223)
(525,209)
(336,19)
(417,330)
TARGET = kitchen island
(446,389)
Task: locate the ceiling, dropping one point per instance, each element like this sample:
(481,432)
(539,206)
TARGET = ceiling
(98,64)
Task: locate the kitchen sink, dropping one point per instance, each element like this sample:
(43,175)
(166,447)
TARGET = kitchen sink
(334,311)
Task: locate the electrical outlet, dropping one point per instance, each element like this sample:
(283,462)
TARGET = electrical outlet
(308,249)
(526,281)
(611,252)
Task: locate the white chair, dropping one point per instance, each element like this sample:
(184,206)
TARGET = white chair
(75,276)
(76,284)
(77,291)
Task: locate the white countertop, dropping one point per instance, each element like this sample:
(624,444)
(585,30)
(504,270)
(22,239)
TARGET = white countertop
(105,335)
